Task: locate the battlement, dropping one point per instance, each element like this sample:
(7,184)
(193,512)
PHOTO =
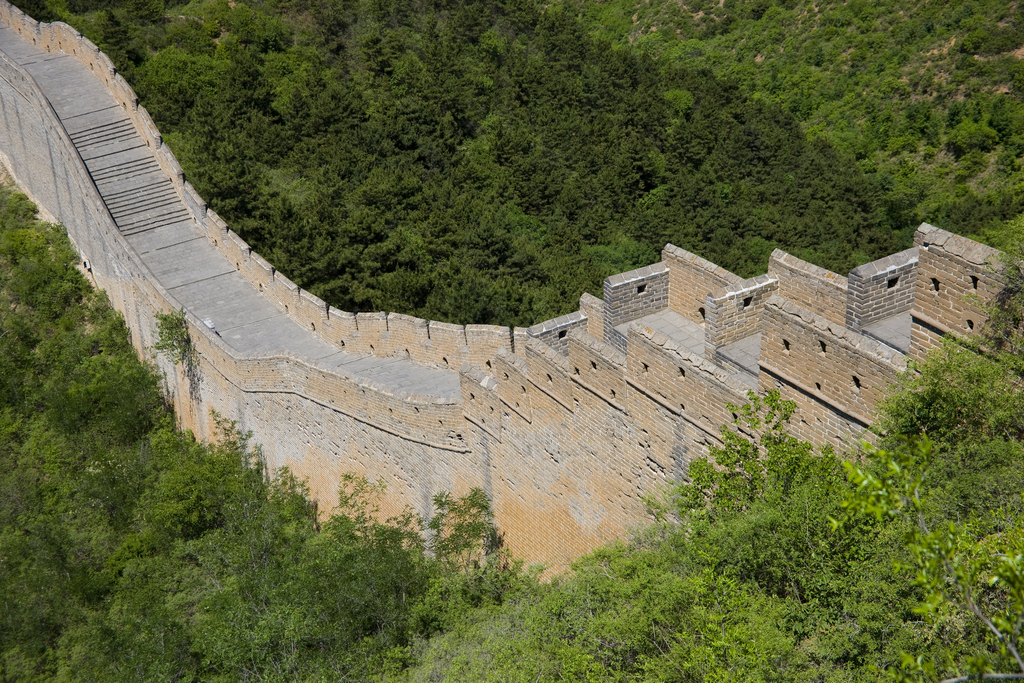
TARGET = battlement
(566,424)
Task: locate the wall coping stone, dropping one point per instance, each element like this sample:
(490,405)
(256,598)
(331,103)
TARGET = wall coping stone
(555,323)
(864,345)
(887,264)
(606,351)
(742,287)
(809,269)
(479,376)
(967,249)
(637,274)
(683,255)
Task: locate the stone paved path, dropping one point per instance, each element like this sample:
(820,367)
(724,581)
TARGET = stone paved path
(673,325)
(893,331)
(153,219)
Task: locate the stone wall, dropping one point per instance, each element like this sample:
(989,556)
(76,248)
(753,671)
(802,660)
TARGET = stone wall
(566,434)
(820,290)
(691,279)
(555,332)
(815,360)
(881,289)
(955,276)
(632,295)
(734,312)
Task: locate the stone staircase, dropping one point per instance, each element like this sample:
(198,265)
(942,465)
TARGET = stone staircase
(148,211)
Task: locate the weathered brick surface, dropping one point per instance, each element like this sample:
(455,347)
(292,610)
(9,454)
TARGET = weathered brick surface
(483,343)
(820,290)
(449,343)
(373,330)
(734,312)
(593,309)
(555,332)
(566,435)
(956,277)
(598,368)
(881,289)
(409,337)
(691,279)
(632,295)
(821,363)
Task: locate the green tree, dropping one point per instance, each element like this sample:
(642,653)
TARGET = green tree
(974,566)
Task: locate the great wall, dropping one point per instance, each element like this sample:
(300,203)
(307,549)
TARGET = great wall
(566,425)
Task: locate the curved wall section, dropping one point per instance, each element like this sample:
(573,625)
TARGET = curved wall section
(593,410)
(317,407)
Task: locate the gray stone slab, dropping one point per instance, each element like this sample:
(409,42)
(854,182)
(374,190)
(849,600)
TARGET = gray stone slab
(893,331)
(676,327)
(166,236)
(744,355)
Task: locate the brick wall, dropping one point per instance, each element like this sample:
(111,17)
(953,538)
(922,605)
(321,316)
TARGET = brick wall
(816,358)
(566,439)
(955,277)
(483,342)
(820,290)
(555,332)
(593,309)
(881,289)
(598,368)
(632,295)
(691,279)
(734,312)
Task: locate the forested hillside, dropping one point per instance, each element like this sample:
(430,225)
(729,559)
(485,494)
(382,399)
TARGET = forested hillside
(128,552)
(926,96)
(477,161)
(487,162)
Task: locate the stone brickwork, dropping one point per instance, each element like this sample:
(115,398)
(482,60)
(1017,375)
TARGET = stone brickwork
(593,309)
(632,295)
(820,290)
(955,276)
(734,312)
(592,411)
(555,332)
(691,279)
(812,358)
(881,289)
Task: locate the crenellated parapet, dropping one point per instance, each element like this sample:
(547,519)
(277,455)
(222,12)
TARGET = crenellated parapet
(567,424)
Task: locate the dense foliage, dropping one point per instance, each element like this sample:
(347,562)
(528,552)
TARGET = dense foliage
(477,161)
(926,96)
(488,161)
(129,552)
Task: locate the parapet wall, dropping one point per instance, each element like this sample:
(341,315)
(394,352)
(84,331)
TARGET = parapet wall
(631,295)
(819,290)
(955,277)
(881,289)
(734,312)
(568,428)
